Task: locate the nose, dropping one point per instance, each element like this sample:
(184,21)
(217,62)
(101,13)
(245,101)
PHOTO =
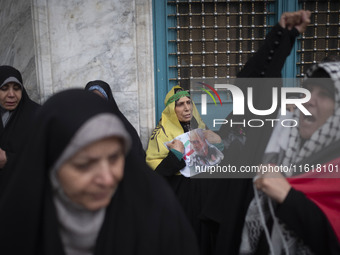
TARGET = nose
(105,177)
(186,107)
(11,92)
(313,99)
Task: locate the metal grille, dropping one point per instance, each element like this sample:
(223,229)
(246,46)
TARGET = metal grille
(322,37)
(214,39)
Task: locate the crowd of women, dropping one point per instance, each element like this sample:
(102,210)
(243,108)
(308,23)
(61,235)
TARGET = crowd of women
(75,178)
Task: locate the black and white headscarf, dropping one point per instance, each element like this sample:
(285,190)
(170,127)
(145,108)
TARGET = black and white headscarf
(261,207)
(327,133)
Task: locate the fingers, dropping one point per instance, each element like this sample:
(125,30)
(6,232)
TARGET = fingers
(177,145)
(258,182)
(305,20)
(3,158)
(276,187)
(293,19)
(299,19)
(212,137)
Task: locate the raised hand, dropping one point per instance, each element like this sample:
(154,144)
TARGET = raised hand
(299,19)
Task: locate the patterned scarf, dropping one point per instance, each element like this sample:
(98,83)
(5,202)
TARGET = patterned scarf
(260,210)
(327,133)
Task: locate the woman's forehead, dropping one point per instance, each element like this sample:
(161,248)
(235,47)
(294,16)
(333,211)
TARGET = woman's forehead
(183,99)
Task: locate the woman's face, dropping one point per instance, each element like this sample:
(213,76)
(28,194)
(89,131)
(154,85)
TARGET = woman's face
(10,96)
(321,106)
(183,109)
(92,175)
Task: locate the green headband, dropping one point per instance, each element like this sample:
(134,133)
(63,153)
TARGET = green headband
(177,96)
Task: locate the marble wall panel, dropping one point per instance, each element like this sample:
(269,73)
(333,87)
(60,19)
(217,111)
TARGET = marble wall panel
(17,42)
(82,40)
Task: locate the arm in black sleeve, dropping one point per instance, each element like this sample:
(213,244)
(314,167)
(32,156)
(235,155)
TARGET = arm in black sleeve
(307,220)
(267,62)
(170,165)
(271,56)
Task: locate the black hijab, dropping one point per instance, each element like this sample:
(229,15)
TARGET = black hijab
(143,216)
(101,85)
(14,135)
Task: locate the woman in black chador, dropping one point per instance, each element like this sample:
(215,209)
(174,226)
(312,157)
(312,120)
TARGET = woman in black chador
(103,89)
(75,191)
(17,113)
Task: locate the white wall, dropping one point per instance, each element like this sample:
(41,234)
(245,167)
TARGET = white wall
(76,41)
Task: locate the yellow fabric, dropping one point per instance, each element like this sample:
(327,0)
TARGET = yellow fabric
(167,129)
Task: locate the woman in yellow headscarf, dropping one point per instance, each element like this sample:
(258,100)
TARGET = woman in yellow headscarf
(179,116)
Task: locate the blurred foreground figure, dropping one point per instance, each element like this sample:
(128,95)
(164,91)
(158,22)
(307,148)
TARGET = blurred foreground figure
(74,192)
(272,213)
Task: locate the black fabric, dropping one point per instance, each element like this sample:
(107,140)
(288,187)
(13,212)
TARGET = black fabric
(187,126)
(271,56)
(192,194)
(137,146)
(304,217)
(14,135)
(225,210)
(9,71)
(143,216)
(170,165)
(277,46)
(259,71)
(230,198)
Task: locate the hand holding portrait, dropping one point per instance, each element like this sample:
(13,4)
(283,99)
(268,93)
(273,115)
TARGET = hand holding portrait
(176,145)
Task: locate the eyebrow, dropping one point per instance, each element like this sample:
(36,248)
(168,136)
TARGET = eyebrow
(81,160)
(182,102)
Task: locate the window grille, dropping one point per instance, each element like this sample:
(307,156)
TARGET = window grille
(322,37)
(214,39)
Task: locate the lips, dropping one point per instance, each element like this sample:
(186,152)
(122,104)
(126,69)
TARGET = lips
(101,195)
(10,103)
(307,126)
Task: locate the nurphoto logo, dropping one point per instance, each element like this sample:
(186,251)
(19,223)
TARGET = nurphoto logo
(280,97)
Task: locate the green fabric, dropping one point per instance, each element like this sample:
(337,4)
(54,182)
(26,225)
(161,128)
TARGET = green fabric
(177,96)
(219,146)
(177,153)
